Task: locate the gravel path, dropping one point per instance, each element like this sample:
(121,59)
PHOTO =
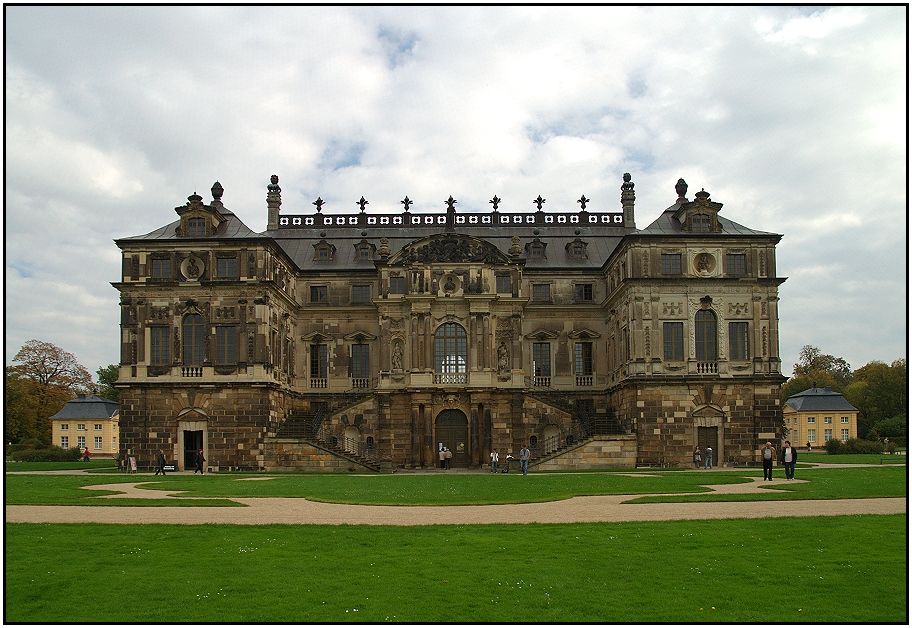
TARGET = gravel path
(577,509)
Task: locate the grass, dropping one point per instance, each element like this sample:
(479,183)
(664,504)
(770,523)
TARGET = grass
(784,570)
(442,489)
(883,458)
(61,466)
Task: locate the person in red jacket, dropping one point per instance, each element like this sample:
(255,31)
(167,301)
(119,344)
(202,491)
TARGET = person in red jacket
(85,455)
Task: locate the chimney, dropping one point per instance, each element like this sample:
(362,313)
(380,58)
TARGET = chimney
(273,202)
(627,200)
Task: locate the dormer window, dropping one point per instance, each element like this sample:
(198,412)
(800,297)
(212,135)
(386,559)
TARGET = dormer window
(364,251)
(324,251)
(577,249)
(536,249)
(701,223)
(196,227)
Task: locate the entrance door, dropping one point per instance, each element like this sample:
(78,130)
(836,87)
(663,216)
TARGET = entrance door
(452,429)
(193,442)
(708,437)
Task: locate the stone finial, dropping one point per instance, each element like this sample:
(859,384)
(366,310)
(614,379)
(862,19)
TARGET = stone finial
(384,250)
(194,199)
(273,187)
(515,249)
(319,203)
(406,201)
(681,189)
(450,203)
(217,191)
(361,203)
(538,202)
(495,202)
(701,196)
(582,201)
(628,200)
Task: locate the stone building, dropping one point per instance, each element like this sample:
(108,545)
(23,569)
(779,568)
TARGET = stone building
(371,339)
(87,422)
(816,415)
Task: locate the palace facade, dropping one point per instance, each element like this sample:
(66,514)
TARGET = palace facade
(372,340)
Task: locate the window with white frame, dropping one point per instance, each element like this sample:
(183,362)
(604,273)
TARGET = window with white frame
(65,442)
(81,426)
(811,419)
(98,444)
(64,427)
(827,435)
(97,427)
(81,442)
(827,419)
(845,419)
(812,436)
(845,435)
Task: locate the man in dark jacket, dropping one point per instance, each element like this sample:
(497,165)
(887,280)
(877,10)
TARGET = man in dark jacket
(199,462)
(161,462)
(788,457)
(768,454)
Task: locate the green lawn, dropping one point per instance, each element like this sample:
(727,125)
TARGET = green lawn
(442,489)
(94,465)
(786,570)
(883,458)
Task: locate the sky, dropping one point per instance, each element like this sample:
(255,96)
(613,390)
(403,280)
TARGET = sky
(793,117)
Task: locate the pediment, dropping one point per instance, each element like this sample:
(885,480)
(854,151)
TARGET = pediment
(317,337)
(448,249)
(583,334)
(359,336)
(541,335)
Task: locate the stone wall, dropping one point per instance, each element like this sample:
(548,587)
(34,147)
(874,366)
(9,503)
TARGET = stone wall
(602,452)
(293,455)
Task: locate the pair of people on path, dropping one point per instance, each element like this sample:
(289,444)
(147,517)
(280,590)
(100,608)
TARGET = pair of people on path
(446,457)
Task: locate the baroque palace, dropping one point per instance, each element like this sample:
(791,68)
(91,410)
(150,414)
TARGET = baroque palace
(373,340)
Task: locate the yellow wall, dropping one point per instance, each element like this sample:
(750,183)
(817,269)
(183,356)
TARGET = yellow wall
(798,424)
(109,433)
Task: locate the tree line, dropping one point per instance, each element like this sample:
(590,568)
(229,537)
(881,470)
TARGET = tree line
(879,390)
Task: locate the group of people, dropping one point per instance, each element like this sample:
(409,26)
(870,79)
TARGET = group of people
(446,457)
(706,460)
(787,458)
(524,456)
(200,459)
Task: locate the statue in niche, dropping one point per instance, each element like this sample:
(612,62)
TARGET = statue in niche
(397,357)
(449,286)
(502,358)
(703,263)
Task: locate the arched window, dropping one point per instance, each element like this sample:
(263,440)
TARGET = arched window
(451,348)
(705,335)
(194,333)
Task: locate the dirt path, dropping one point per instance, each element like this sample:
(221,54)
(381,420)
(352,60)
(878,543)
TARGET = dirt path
(577,509)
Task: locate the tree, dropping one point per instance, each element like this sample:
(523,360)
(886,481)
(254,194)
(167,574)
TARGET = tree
(40,385)
(107,375)
(880,392)
(817,369)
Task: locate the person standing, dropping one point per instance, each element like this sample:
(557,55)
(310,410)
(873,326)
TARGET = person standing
(199,463)
(524,455)
(698,457)
(768,454)
(86,456)
(788,458)
(442,455)
(709,458)
(161,463)
(494,459)
(448,457)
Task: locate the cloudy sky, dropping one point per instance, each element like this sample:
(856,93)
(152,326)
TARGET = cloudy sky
(794,118)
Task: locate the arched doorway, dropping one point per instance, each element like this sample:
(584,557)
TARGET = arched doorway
(452,431)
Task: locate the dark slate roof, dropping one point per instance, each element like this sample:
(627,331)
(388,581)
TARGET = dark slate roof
(667,225)
(233,227)
(819,400)
(88,407)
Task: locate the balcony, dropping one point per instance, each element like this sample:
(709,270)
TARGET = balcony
(584,381)
(360,382)
(191,371)
(541,381)
(707,368)
(318,382)
(451,378)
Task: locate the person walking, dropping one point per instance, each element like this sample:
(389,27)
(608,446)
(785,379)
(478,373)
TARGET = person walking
(448,457)
(86,456)
(494,460)
(161,463)
(788,458)
(709,458)
(199,463)
(442,455)
(524,455)
(768,454)
(698,457)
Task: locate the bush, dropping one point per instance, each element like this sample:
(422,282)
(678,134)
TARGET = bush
(853,446)
(51,454)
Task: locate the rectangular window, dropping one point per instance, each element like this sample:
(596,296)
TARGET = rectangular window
(737,341)
(364,252)
(583,292)
(541,292)
(845,419)
(360,361)
(845,435)
(196,227)
(160,354)
(811,419)
(322,253)
(827,419)
(812,436)
(671,263)
(735,265)
(583,358)
(536,251)
(97,443)
(318,362)
(361,294)
(503,284)
(319,294)
(65,442)
(64,426)
(673,340)
(81,442)
(827,435)
(541,359)
(226,267)
(98,426)
(81,426)
(225,344)
(700,223)
(161,269)
(397,285)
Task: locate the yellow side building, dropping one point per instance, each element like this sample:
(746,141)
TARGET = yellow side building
(87,422)
(814,416)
